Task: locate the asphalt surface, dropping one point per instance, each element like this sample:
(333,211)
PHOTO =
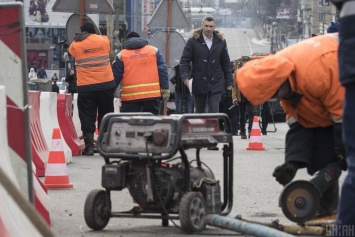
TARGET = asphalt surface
(255,192)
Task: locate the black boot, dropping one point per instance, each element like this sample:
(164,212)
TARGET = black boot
(89,144)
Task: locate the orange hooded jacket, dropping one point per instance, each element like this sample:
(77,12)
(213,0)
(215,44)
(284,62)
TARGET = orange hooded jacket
(311,66)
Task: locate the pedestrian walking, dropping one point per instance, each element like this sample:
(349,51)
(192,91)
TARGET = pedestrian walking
(55,77)
(184,101)
(32,74)
(70,78)
(55,87)
(246,109)
(205,59)
(41,74)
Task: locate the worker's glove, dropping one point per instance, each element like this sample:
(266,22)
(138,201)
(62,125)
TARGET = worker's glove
(285,173)
(165,93)
(338,3)
(339,148)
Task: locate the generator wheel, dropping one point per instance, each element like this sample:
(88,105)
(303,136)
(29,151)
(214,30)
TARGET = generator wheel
(192,212)
(97,209)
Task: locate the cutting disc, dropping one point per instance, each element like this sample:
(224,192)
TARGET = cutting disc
(300,201)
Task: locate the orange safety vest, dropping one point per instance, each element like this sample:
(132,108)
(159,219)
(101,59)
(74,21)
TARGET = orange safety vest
(140,77)
(92,60)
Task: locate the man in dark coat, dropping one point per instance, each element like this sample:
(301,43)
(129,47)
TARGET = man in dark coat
(205,59)
(345,223)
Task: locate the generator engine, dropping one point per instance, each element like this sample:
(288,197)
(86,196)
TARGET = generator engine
(161,187)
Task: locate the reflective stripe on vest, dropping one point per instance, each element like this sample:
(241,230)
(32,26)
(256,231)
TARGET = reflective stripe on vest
(140,76)
(94,62)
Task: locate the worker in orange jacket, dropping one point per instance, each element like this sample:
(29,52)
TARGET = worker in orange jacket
(305,77)
(141,70)
(95,81)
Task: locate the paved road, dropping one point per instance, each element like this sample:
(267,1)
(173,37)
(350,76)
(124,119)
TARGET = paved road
(255,192)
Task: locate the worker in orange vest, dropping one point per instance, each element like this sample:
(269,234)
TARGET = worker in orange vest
(141,70)
(95,81)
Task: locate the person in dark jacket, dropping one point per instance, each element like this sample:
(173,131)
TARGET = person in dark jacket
(246,109)
(205,59)
(184,101)
(345,223)
(71,80)
(141,70)
(55,87)
(41,74)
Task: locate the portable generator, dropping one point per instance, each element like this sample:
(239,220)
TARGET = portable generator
(146,154)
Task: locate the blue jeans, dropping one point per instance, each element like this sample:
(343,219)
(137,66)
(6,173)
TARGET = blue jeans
(346,209)
(181,107)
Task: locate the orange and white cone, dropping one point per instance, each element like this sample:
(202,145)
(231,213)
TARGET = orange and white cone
(255,137)
(97,129)
(56,175)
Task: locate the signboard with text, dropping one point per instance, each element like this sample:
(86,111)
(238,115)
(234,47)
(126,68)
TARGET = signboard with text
(38,13)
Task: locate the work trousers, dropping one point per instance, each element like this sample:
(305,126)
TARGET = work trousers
(246,109)
(151,105)
(94,104)
(207,103)
(346,210)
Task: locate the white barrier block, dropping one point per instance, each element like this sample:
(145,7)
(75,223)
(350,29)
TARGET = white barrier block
(116,105)
(76,119)
(12,217)
(49,121)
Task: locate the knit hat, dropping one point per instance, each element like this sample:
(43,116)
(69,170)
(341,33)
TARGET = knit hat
(333,27)
(88,27)
(132,34)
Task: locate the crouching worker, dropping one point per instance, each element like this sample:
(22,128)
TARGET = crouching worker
(305,78)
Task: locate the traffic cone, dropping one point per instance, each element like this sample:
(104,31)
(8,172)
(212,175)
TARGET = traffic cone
(97,129)
(255,137)
(56,175)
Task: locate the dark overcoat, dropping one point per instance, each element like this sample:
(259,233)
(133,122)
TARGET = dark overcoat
(209,68)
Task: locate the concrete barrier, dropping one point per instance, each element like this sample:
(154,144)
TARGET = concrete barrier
(41,200)
(13,222)
(64,112)
(76,119)
(39,145)
(49,120)
(116,105)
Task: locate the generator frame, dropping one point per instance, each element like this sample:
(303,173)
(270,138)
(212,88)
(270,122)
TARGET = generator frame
(98,206)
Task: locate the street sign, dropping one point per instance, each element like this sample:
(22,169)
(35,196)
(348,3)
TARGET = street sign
(73,26)
(178,18)
(176,40)
(89,6)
